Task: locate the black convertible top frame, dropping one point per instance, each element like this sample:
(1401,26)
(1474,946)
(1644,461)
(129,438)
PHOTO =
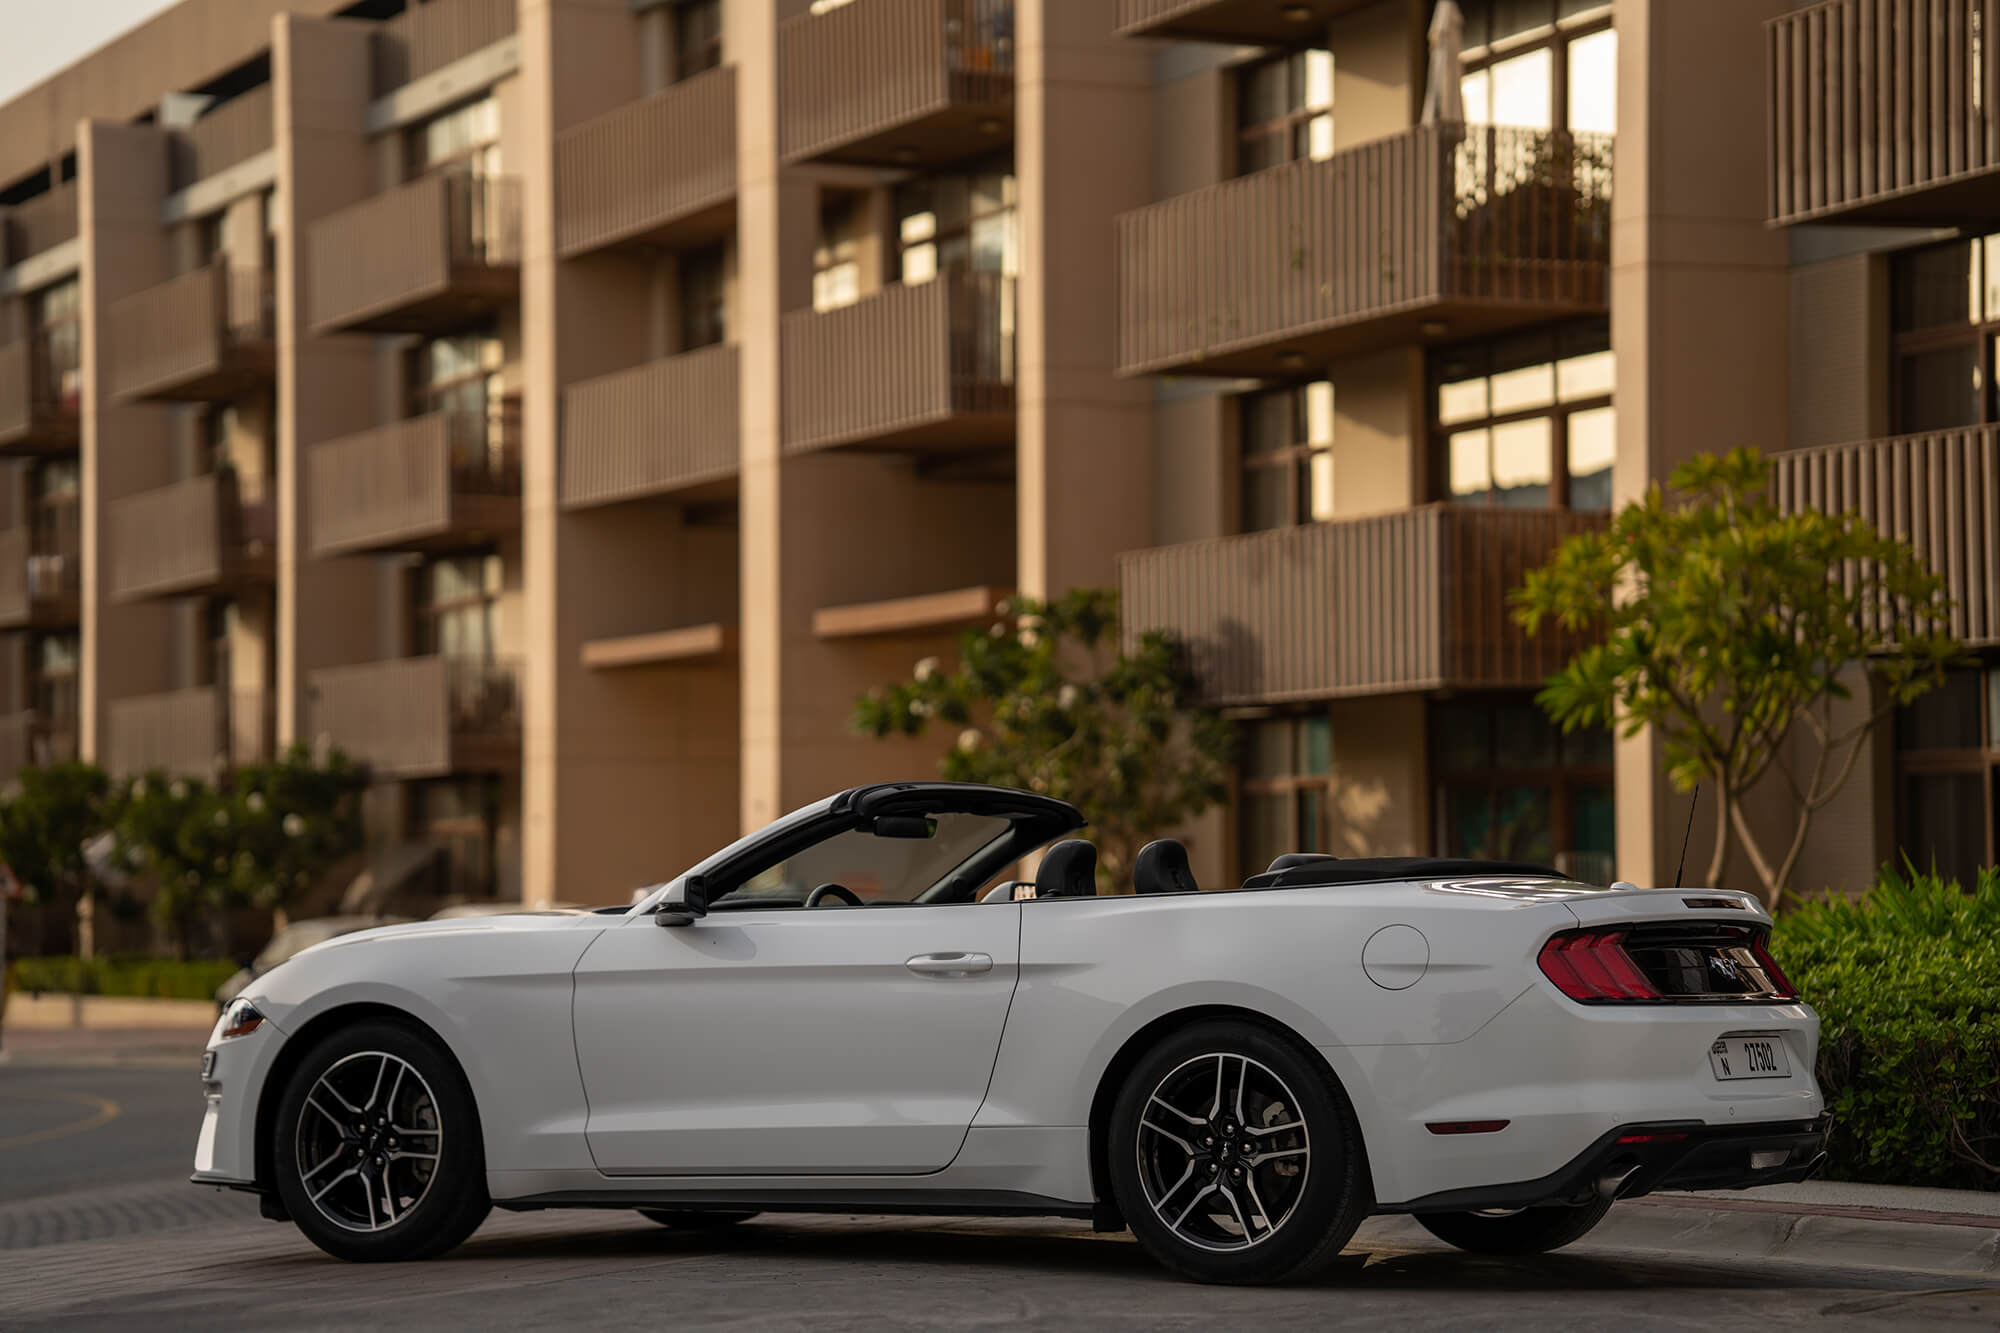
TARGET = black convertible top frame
(1384,869)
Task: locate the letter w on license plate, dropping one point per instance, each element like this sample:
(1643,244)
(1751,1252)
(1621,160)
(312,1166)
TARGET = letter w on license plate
(1750,1057)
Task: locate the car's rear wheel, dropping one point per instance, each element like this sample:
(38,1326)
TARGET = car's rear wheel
(1235,1157)
(1526,1231)
(693,1219)
(377,1152)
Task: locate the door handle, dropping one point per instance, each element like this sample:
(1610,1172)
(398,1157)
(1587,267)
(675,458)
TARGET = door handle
(950,964)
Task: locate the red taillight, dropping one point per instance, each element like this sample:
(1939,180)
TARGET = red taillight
(1780,983)
(1593,965)
(1651,1138)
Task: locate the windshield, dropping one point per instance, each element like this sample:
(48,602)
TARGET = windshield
(876,869)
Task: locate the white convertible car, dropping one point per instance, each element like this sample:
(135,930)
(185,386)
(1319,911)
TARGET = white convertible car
(855,1011)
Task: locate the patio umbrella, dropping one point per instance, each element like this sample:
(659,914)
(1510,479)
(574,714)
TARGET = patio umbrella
(1443,101)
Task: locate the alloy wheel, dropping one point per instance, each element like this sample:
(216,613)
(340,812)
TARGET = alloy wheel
(1223,1152)
(369,1141)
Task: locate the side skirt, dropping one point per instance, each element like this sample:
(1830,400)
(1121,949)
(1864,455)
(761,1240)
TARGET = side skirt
(928,1203)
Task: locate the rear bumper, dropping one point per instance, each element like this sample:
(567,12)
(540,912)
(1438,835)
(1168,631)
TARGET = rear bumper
(1672,1155)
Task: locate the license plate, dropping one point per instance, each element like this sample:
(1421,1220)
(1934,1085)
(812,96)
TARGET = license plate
(1750,1057)
(207,1065)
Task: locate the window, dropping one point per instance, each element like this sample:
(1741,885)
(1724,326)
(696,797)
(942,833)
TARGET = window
(1527,421)
(837,257)
(56,690)
(454,600)
(465,139)
(697,37)
(1510,786)
(704,298)
(57,522)
(459,816)
(1284,110)
(1541,64)
(1285,779)
(1947,749)
(1945,312)
(877,869)
(1287,448)
(57,315)
(963,222)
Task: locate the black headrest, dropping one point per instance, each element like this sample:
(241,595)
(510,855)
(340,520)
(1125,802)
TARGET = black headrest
(1290,859)
(1162,867)
(1068,870)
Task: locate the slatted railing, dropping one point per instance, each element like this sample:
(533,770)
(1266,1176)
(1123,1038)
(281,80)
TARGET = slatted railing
(409,244)
(1876,101)
(1438,214)
(186,327)
(398,484)
(188,733)
(1412,600)
(423,39)
(873,65)
(1939,492)
(910,356)
(419,716)
(655,428)
(42,223)
(685,136)
(1252,22)
(190,535)
(225,136)
(30,397)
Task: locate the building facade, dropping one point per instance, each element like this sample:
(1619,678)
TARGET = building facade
(569,406)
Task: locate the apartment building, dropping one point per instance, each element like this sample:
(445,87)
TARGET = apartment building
(569,406)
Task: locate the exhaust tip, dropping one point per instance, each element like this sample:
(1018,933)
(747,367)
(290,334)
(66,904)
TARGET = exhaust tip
(1613,1181)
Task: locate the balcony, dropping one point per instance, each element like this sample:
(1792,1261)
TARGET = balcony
(1938,492)
(1442,230)
(189,733)
(40,388)
(1244,22)
(444,482)
(430,257)
(685,197)
(43,223)
(421,717)
(906,83)
(917,368)
(226,136)
(40,571)
(29,740)
(205,336)
(668,427)
(423,39)
(1885,113)
(195,536)
(1408,601)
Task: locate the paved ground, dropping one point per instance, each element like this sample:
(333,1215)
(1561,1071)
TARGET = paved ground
(99,1232)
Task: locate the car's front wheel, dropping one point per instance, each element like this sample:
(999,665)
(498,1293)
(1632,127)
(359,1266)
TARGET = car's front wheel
(1526,1231)
(377,1152)
(1235,1156)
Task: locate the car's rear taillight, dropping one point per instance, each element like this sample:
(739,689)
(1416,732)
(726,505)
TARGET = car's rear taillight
(1592,965)
(1781,984)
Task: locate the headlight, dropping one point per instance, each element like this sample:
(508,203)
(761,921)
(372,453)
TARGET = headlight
(240,1019)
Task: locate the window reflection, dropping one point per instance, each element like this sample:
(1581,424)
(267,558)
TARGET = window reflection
(1513,50)
(1284,110)
(1527,420)
(1945,311)
(1287,450)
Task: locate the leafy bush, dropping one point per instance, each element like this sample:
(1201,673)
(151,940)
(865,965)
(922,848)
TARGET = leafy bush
(148,978)
(1907,984)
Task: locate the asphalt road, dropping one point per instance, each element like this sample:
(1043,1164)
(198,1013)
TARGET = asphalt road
(80,1188)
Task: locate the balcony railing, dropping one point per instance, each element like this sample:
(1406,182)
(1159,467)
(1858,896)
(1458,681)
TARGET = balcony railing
(423,39)
(1477,228)
(666,426)
(193,536)
(923,366)
(1408,601)
(1251,22)
(428,257)
(1939,492)
(442,482)
(421,717)
(1885,111)
(42,223)
(189,733)
(685,135)
(40,569)
(897,82)
(224,137)
(205,336)
(30,740)
(40,388)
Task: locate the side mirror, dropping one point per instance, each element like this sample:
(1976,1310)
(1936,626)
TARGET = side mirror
(686,902)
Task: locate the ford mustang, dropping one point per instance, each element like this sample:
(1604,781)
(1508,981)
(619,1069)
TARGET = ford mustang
(860,1009)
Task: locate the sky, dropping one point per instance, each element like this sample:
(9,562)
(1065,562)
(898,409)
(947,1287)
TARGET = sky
(44,35)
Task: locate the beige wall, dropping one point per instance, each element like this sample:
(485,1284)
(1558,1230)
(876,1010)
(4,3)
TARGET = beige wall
(1839,351)
(1378,71)
(1377,423)
(1380,799)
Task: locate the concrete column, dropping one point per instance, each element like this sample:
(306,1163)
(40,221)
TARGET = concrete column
(122,182)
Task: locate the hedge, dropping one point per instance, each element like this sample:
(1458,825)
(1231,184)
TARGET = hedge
(151,978)
(1907,984)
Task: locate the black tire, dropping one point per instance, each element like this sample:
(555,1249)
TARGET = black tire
(1317,1205)
(1530,1231)
(693,1219)
(443,1201)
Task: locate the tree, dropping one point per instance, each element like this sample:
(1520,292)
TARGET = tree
(1053,704)
(1731,628)
(176,832)
(45,823)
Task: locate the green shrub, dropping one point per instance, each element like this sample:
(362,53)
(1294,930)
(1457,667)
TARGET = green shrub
(1907,984)
(148,978)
